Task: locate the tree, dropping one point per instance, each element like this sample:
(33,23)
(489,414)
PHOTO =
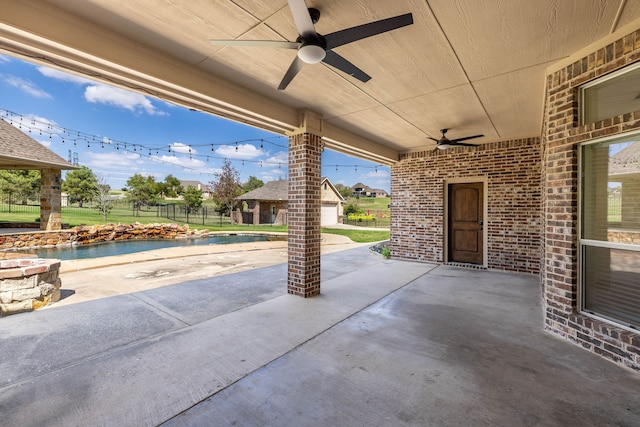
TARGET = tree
(103,198)
(226,187)
(192,198)
(344,190)
(81,185)
(252,184)
(20,185)
(142,190)
(170,187)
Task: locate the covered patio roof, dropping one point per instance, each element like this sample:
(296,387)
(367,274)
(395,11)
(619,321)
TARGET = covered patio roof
(462,65)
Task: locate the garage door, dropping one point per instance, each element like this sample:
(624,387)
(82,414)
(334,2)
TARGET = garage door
(329,214)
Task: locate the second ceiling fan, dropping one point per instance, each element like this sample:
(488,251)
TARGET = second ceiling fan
(443,143)
(313,47)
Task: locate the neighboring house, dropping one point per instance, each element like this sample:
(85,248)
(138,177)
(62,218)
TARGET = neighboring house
(206,194)
(18,151)
(361,190)
(269,203)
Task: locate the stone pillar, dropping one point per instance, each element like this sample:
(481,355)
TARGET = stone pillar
(50,199)
(305,149)
(256,213)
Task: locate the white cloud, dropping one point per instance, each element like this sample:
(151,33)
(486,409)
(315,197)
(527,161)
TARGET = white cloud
(281,158)
(108,95)
(180,161)
(5,58)
(377,174)
(240,151)
(61,75)
(37,126)
(114,161)
(179,147)
(26,86)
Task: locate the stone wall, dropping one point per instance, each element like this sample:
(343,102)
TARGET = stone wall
(514,224)
(28,284)
(84,234)
(562,136)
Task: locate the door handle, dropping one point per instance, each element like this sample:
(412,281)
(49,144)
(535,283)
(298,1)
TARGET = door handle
(481,223)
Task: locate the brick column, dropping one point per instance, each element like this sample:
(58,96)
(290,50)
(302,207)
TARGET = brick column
(50,199)
(305,151)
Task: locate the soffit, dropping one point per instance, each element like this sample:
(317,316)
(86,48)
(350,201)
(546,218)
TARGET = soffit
(474,67)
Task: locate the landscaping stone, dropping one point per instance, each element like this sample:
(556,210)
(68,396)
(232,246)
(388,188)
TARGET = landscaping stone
(28,284)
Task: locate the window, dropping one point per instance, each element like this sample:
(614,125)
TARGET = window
(611,95)
(610,230)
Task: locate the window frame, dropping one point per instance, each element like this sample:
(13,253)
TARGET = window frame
(583,243)
(602,79)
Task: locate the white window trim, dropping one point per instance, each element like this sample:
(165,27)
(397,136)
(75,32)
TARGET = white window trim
(598,81)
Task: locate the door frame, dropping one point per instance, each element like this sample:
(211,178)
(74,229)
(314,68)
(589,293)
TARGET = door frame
(485,210)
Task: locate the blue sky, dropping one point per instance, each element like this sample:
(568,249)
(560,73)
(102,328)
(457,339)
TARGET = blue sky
(118,133)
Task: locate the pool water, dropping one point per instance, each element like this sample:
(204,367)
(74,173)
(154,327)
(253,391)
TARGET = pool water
(123,247)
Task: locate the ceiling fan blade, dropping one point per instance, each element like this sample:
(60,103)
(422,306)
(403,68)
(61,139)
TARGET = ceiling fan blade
(257,43)
(433,139)
(345,66)
(301,17)
(360,32)
(293,70)
(466,137)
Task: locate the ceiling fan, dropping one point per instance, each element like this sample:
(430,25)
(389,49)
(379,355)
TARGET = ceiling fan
(444,142)
(313,47)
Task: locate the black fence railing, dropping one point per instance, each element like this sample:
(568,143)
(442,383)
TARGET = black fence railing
(204,215)
(176,212)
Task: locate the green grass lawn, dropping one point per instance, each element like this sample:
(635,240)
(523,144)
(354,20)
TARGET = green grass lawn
(75,217)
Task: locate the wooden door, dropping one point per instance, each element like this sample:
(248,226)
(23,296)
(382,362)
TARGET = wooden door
(466,223)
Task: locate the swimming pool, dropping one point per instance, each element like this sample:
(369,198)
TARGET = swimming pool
(123,247)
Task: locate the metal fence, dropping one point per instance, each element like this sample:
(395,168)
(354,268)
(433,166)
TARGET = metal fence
(176,212)
(204,215)
(379,219)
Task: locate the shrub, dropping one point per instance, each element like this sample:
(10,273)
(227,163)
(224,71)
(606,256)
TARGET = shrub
(386,252)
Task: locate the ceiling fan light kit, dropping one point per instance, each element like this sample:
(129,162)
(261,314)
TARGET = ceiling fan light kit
(314,48)
(311,53)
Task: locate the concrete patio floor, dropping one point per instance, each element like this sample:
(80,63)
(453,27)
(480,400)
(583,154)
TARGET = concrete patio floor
(387,343)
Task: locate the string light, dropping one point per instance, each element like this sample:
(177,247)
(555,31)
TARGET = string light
(29,124)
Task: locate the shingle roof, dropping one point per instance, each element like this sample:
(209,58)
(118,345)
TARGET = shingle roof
(273,190)
(19,151)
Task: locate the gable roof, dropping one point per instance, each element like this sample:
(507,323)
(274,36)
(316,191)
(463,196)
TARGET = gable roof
(272,190)
(278,190)
(19,151)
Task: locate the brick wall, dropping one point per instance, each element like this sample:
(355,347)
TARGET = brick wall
(561,138)
(305,150)
(512,170)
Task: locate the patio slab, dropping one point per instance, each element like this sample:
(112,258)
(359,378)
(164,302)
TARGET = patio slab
(386,343)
